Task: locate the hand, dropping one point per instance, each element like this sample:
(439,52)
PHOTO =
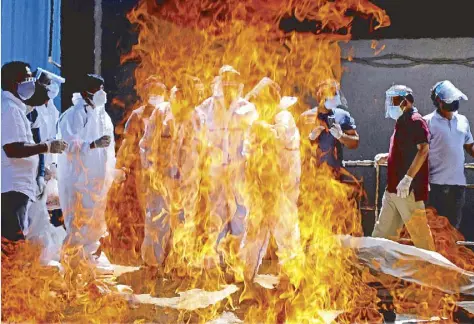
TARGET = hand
(102,142)
(120,175)
(309,117)
(381,158)
(57,146)
(41,185)
(316,132)
(336,131)
(47,174)
(403,188)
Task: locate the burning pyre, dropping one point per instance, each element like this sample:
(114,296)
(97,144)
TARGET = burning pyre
(193,39)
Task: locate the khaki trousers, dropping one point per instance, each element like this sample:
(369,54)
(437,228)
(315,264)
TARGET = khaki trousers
(397,211)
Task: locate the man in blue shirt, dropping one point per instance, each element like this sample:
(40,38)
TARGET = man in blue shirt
(331,127)
(450,137)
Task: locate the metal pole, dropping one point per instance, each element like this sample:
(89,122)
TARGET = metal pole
(97,36)
(377,186)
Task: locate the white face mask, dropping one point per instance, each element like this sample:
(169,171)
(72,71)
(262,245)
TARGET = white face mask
(334,102)
(156,100)
(394,112)
(100,98)
(26,89)
(53,90)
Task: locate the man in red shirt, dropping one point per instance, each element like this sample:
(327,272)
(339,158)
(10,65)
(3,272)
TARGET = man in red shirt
(407,187)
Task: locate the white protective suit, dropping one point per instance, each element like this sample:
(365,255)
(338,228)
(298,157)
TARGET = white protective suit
(85,174)
(170,156)
(40,228)
(226,130)
(281,220)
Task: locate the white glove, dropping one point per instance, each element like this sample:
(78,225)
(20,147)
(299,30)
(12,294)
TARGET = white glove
(380,158)
(403,188)
(336,131)
(41,185)
(316,132)
(120,175)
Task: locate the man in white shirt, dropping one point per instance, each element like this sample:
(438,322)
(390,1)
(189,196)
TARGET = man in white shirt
(450,137)
(19,151)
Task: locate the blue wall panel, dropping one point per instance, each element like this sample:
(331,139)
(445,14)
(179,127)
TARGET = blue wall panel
(25,33)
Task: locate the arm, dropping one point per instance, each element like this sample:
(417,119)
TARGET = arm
(69,127)
(286,129)
(469,148)
(420,158)
(15,136)
(350,139)
(124,160)
(469,142)
(21,150)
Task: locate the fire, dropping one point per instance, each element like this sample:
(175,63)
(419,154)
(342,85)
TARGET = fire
(185,43)
(195,38)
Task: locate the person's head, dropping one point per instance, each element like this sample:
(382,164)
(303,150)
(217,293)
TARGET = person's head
(92,90)
(329,95)
(40,97)
(155,91)
(266,97)
(446,97)
(230,83)
(185,96)
(18,79)
(50,80)
(398,98)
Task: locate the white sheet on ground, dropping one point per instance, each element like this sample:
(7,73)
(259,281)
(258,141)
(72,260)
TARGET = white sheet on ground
(189,300)
(412,264)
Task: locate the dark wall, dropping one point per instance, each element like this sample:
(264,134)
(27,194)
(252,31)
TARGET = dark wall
(410,19)
(118,36)
(77,44)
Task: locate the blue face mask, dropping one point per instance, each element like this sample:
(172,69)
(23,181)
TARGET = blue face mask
(26,89)
(394,112)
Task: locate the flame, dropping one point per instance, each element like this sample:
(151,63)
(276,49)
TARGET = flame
(196,38)
(315,275)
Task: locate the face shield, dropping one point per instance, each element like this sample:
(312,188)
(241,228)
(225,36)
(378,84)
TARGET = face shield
(448,93)
(228,85)
(394,97)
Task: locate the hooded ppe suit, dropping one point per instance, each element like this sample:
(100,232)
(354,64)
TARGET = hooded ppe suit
(225,130)
(272,188)
(41,230)
(85,174)
(172,172)
(125,213)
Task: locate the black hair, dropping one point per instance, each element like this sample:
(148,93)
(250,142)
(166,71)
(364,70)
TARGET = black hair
(434,97)
(91,81)
(11,71)
(409,97)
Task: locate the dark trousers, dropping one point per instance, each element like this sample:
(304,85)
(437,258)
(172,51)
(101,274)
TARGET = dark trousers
(14,205)
(448,201)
